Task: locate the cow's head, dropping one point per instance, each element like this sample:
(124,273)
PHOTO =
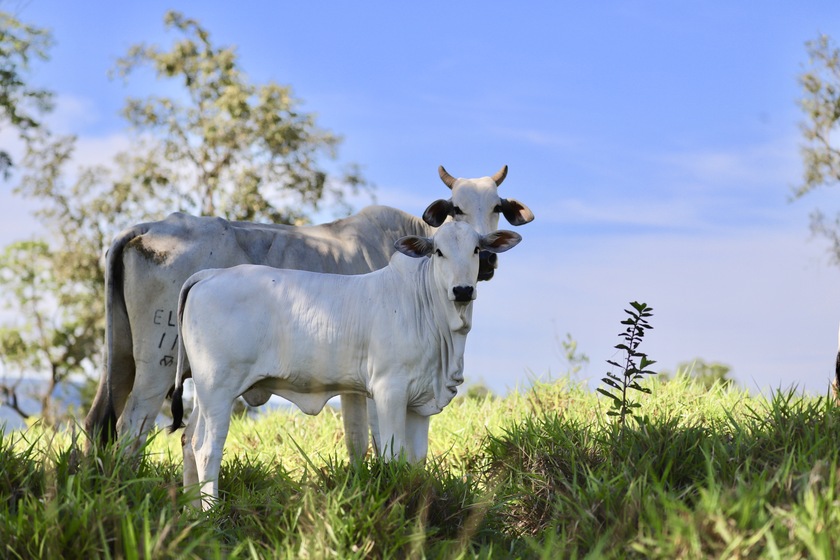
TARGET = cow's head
(454,250)
(477,202)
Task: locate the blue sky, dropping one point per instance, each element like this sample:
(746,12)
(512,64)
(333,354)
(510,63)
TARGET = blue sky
(656,142)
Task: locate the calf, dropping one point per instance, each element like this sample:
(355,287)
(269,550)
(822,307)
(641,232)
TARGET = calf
(396,335)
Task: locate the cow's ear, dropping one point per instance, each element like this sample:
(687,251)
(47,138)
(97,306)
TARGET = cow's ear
(437,212)
(500,241)
(414,246)
(515,212)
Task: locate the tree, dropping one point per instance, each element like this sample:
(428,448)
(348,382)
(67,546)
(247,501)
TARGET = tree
(226,147)
(707,374)
(21,105)
(821,105)
(51,334)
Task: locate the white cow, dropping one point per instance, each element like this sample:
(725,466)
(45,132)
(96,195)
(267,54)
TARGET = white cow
(396,335)
(148,263)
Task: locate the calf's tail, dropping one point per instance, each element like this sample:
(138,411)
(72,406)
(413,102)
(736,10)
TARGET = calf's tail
(177,395)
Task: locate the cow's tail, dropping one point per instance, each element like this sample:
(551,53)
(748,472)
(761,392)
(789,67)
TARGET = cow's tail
(101,421)
(180,370)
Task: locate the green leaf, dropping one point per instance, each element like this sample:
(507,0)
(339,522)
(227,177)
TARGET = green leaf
(606,393)
(611,383)
(646,362)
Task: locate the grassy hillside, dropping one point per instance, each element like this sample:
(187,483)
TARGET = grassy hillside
(540,474)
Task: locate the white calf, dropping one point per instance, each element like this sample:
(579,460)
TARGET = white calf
(396,335)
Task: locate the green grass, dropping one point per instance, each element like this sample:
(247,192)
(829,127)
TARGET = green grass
(539,474)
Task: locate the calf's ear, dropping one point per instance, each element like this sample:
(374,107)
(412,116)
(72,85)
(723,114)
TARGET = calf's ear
(500,241)
(515,212)
(437,212)
(414,246)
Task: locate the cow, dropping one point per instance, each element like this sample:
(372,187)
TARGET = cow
(396,335)
(147,264)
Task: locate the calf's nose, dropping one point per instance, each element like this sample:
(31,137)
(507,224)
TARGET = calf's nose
(463,293)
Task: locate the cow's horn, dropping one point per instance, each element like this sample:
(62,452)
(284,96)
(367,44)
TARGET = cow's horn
(500,176)
(448,179)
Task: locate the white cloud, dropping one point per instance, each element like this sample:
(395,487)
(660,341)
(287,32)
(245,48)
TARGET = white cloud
(536,137)
(72,113)
(91,151)
(627,212)
(774,163)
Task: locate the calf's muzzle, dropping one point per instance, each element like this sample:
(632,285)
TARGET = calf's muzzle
(463,293)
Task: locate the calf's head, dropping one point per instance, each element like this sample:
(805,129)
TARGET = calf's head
(454,252)
(477,202)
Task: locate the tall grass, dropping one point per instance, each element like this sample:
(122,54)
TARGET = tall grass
(541,473)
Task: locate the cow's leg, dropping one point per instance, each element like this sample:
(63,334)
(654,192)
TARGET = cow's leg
(208,444)
(373,420)
(391,410)
(106,408)
(353,414)
(151,385)
(417,436)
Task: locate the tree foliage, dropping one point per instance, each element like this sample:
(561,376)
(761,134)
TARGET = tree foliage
(707,374)
(227,147)
(820,156)
(52,334)
(21,105)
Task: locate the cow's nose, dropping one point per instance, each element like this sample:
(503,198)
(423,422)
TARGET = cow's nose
(487,263)
(462,293)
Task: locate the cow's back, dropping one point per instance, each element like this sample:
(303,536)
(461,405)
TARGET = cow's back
(358,244)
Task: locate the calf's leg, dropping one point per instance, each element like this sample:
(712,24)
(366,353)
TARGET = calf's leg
(208,443)
(417,436)
(373,420)
(391,410)
(354,415)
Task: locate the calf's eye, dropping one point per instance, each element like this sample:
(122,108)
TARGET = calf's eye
(438,253)
(477,251)
(457,211)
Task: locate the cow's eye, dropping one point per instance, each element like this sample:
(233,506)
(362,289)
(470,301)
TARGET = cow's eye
(477,251)
(438,253)
(457,211)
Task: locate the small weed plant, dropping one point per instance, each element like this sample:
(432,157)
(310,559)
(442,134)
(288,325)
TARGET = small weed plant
(634,367)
